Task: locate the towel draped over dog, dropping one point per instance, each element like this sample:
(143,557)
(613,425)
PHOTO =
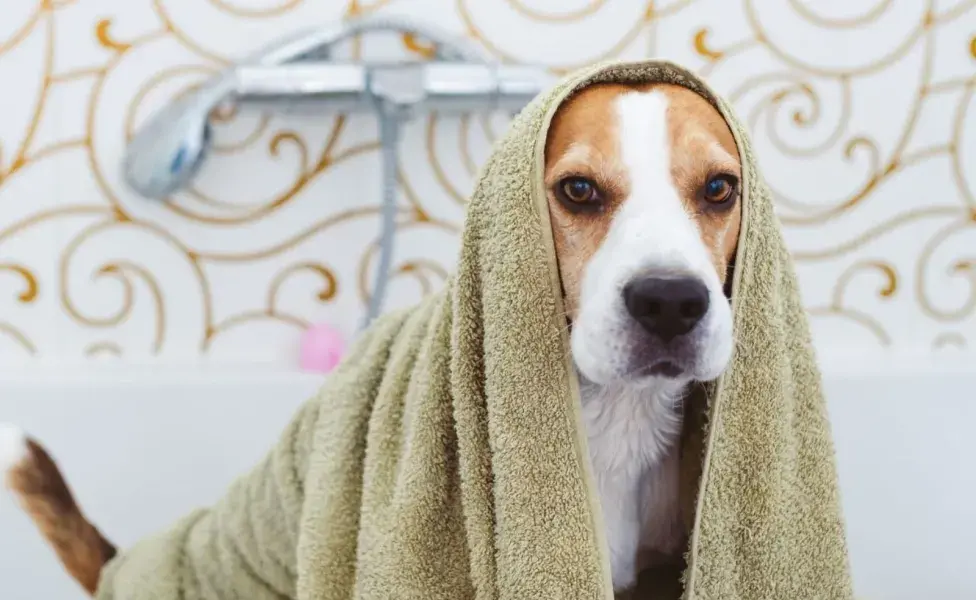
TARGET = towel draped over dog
(445,458)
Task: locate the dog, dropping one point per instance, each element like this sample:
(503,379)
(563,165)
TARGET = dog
(643,186)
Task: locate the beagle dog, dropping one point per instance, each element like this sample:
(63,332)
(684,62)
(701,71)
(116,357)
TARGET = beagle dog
(643,185)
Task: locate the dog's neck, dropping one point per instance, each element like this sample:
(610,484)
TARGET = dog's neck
(631,428)
(633,435)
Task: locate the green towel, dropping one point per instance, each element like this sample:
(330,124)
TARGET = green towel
(445,457)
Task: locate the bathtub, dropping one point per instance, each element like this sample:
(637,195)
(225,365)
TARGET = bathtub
(141,446)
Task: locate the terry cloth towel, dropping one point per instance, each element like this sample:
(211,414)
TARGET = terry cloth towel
(445,457)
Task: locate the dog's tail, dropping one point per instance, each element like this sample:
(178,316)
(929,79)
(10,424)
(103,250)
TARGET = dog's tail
(33,477)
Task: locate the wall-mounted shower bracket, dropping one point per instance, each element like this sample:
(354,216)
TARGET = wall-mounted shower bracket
(300,73)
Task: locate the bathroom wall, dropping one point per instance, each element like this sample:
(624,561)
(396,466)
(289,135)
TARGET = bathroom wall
(153,345)
(862,114)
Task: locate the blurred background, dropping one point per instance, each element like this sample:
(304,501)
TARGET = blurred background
(154,345)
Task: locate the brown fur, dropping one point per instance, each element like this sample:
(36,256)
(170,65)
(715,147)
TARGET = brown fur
(583,141)
(45,496)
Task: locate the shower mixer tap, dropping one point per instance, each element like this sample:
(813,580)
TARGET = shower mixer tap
(301,74)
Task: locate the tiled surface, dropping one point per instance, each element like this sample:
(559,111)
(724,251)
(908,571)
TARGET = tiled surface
(863,113)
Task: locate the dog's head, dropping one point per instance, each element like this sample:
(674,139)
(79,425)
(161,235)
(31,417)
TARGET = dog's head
(643,185)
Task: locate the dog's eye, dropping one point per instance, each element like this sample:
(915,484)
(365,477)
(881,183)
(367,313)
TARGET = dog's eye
(578,190)
(720,189)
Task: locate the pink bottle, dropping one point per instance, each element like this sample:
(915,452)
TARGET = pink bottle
(322,348)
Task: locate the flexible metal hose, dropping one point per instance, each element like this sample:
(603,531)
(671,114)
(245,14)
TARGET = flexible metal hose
(389,123)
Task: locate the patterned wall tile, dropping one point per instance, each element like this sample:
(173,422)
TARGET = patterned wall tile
(864,115)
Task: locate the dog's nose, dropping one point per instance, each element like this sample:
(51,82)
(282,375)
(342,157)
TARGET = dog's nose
(666,306)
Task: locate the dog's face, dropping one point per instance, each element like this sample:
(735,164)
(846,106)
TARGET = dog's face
(643,186)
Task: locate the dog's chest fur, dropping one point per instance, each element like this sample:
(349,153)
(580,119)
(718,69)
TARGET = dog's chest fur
(633,442)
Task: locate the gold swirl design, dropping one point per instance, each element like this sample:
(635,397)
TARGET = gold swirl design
(27,296)
(949,339)
(328,291)
(590,8)
(420,270)
(413,44)
(854,317)
(275,11)
(702,47)
(969,197)
(897,163)
(30,282)
(356,8)
(21,33)
(806,111)
(105,39)
(107,321)
(628,38)
(171,28)
(19,227)
(655,11)
(155,81)
(227,115)
(873,233)
(18,336)
(280,139)
(439,173)
(120,271)
(271,311)
(308,171)
(246,318)
(872,14)
(895,54)
(961,267)
(340,218)
(954,12)
(887,291)
(838,307)
(803,118)
(20,159)
(100,348)
(245,143)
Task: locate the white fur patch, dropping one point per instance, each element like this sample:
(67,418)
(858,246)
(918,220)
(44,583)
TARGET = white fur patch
(632,434)
(13,446)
